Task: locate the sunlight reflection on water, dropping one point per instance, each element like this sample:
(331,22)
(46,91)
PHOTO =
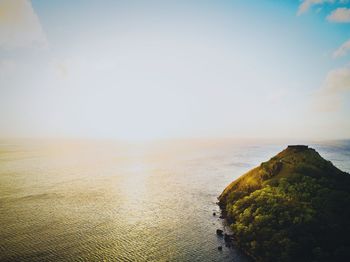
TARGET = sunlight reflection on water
(101,201)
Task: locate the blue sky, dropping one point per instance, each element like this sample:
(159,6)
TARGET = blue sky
(162,69)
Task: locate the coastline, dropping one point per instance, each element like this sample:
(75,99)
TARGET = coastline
(235,241)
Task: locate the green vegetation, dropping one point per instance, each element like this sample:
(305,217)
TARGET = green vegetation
(294,207)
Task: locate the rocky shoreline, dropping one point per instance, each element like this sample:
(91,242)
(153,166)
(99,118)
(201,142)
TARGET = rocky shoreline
(229,239)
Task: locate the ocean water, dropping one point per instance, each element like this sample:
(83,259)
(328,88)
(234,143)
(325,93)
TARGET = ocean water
(109,201)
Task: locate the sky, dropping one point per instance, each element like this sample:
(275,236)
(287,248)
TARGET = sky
(139,70)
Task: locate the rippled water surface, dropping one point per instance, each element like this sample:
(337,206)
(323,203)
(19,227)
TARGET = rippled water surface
(94,201)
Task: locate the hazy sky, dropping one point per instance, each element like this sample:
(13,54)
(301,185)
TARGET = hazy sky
(160,69)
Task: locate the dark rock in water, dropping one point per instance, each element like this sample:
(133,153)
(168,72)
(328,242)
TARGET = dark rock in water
(220,248)
(219,232)
(214,214)
(227,237)
(222,217)
(228,245)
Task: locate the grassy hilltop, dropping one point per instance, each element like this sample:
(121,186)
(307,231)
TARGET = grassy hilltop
(294,207)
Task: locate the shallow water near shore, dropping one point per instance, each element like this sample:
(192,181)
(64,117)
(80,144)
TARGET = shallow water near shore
(102,200)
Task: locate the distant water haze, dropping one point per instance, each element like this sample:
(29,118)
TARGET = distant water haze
(96,200)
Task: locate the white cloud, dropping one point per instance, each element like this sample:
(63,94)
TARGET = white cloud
(337,83)
(338,80)
(19,25)
(340,15)
(342,50)
(307,4)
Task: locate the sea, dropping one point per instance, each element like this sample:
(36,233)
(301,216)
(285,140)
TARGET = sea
(104,200)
